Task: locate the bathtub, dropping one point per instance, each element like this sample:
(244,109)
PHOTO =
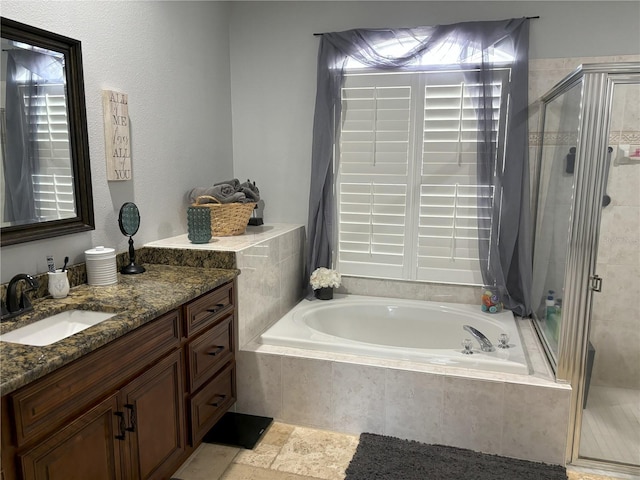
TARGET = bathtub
(412,330)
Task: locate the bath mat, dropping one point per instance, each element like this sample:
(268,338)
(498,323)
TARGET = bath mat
(387,458)
(238,430)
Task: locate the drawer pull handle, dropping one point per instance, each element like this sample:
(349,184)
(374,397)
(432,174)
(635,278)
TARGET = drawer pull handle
(219,400)
(217,308)
(121,425)
(217,350)
(132,418)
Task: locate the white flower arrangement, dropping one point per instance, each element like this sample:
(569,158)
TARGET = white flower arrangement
(324,278)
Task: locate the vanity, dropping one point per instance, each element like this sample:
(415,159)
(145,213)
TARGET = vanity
(131,397)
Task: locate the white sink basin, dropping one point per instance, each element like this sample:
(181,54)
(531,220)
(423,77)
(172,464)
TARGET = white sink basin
(56,327)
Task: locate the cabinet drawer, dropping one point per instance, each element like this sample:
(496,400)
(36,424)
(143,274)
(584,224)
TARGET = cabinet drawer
(208,405)
(208,352)
(51,401)
(207,309)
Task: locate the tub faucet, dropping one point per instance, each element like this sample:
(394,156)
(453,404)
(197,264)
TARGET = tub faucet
(16,306)
(485,343)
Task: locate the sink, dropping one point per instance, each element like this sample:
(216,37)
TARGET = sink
(56,327)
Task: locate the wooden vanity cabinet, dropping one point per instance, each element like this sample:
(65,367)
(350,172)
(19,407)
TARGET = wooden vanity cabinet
(210,359)
(127,410)
(135,433)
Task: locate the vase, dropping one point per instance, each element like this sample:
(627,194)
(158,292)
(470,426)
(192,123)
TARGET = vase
(491,300)
(199,224)
(324,293)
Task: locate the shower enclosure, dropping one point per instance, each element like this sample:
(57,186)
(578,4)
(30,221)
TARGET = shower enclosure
(586,285)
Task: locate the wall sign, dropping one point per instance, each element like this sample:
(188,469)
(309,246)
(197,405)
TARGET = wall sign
(115,106)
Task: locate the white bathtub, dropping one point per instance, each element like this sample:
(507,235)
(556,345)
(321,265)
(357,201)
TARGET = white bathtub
(417,331)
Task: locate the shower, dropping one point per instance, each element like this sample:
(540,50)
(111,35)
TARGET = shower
(586,278)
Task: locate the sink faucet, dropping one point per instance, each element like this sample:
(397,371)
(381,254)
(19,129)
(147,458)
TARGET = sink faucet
(15,305)
(485,344)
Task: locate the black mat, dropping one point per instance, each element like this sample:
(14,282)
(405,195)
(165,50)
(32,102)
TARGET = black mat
(387,458)
(238,430)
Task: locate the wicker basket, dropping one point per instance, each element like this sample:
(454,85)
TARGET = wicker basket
(227,219)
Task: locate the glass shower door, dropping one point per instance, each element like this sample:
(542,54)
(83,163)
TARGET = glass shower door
(611,416)
(555,199)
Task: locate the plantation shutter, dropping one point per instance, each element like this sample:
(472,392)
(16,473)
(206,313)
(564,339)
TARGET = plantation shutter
(407,196)
(49,130)
(448,219)
(375,161)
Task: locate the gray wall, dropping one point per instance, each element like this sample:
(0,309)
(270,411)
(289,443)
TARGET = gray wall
(172,59)
(273,68)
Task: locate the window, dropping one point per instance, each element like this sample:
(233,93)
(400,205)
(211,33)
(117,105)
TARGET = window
(406,184)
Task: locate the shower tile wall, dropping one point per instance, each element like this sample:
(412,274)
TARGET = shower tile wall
(270,283)
(544,73)
(615,327)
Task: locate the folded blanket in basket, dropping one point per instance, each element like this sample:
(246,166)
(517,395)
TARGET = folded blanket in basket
(250,190)
(235,183)
(228,192)
(224,193)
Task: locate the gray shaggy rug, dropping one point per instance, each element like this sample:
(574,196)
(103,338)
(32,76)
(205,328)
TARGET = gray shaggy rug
(380,457)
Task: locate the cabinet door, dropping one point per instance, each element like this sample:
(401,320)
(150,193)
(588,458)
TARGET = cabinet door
(153,405)
(85,449)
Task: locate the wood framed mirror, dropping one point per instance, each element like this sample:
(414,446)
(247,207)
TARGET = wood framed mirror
(45,170)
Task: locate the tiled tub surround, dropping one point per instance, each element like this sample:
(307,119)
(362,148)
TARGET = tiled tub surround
(137,299)
(507,414)
(270,258)
(433,292)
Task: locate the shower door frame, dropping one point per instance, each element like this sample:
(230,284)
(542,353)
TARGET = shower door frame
(598,82)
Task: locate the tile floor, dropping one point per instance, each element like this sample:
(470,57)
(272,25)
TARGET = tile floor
(286,452)
(611,425)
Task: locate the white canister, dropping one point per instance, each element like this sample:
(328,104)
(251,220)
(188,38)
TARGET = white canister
(101,266)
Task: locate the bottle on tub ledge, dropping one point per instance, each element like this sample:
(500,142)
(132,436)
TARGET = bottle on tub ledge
(551,319)
(549,305)
(557,314)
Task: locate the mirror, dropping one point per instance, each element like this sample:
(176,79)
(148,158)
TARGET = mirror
(129,221)
(45,177)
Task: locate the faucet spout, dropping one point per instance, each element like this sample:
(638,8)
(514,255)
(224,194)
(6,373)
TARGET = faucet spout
(22,304)
(485,343)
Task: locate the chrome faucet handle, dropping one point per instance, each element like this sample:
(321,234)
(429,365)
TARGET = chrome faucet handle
(467,343)
(485,344)
(503,340)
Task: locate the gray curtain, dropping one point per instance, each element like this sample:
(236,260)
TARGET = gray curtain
(459,43)
(505,237)
(26,71)
(20,160)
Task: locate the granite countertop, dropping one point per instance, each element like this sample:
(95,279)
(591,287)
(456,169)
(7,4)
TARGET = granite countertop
(137,299)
